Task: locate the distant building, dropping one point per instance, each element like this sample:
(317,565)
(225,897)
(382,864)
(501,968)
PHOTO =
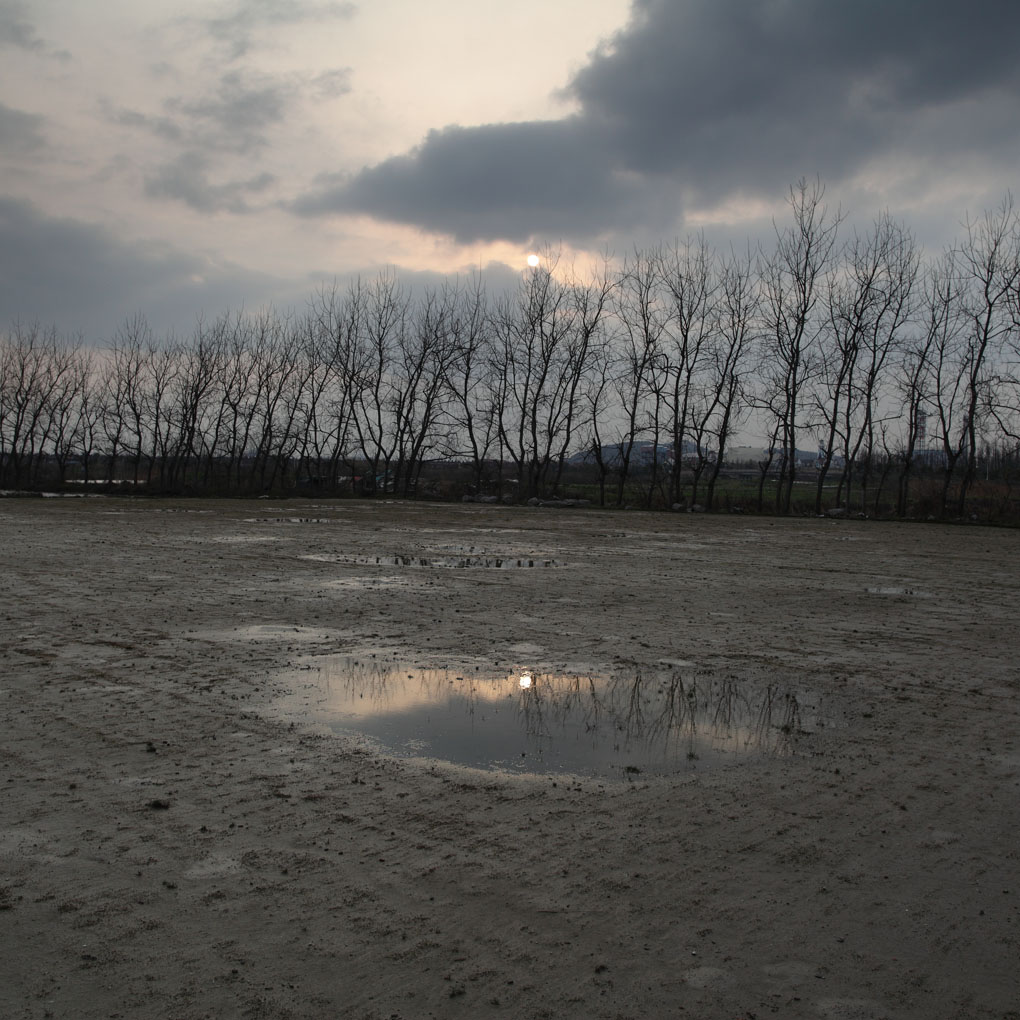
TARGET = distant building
(933,457)
(642,452)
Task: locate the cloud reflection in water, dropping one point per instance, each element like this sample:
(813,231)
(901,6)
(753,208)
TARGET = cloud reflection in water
(528,721)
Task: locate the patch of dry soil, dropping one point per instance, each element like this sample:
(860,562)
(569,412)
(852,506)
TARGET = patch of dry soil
(169,848)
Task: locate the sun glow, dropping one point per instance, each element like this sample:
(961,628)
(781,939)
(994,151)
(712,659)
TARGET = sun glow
(533,260)
(525,681)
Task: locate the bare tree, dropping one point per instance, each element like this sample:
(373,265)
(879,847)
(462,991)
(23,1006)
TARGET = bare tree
(914,371)
(689,279)
(537,361)
(990,259)
(790,278)
(886,266)
(737,316)
(339,326)
(470,383)
(590,300)
(382,320)
(868,304)
(596,396)
(949,365)
(641,361)
(277,363)
(425,351)
(36,368)
(67,411)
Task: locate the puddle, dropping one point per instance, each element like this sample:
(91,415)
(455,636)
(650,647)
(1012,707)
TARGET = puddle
(447,562)
(152,510)
(293,520)
(505,552)
(275,633)
(240,539)
(378,582)
(916,592)
(532,722)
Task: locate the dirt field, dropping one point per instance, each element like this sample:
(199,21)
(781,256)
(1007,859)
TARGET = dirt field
(170,848)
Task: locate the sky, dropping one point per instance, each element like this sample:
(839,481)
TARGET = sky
(180,159)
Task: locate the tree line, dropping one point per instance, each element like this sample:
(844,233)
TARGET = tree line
(864,362)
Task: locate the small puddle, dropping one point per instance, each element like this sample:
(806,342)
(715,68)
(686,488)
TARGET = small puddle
(447,562)
(917,593)
(533,722)
(293,520)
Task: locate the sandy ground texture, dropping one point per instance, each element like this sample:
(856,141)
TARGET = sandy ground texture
(170,847)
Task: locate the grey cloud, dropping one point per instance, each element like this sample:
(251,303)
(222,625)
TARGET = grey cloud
(20,132)
(161,126)
(78,276)
(495,278)
(187,179)
(732,55)
(501,180)
(235,115)
(239,24)
(331,84)
(238,113)
(701,100)
(765,88)
(16,30)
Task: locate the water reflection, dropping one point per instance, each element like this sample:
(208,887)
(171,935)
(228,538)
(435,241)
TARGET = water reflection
(528,721)
(465,562)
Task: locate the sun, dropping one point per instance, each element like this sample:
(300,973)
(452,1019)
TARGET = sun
(533,260)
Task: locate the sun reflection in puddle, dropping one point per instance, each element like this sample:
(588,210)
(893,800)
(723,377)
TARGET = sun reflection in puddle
(533,722)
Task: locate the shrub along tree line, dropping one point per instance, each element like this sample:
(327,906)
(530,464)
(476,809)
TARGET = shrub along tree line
(872,369)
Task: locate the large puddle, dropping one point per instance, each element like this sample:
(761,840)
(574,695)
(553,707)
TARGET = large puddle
(294,520)
(459,562)
(532,722)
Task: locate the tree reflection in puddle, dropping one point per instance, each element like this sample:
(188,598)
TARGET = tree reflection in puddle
(534,722)
(460,562)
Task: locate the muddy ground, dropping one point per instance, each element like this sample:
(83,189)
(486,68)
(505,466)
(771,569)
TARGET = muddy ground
(170,847)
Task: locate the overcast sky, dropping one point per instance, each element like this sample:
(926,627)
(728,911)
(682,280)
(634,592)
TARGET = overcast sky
(181,158)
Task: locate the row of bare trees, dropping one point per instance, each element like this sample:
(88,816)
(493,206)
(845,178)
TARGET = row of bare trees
(895,361)
(881,362)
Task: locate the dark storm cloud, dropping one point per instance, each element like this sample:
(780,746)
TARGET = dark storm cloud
(78,276)
(240,22)
(699,100)
(549,172)
(735,88)
(20,132)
